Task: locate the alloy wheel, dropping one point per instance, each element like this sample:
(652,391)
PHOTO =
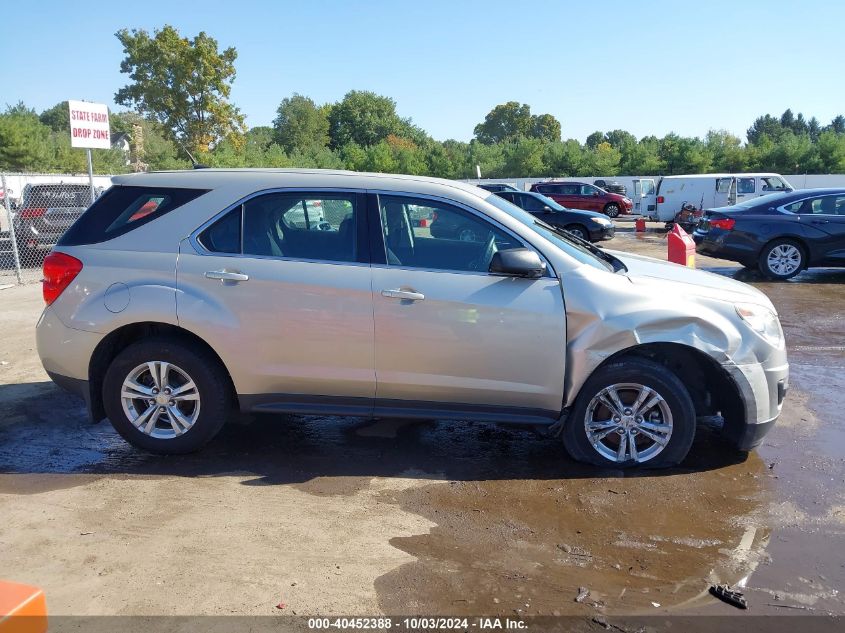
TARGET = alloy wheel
(628,422)
(160,399)
(784,259)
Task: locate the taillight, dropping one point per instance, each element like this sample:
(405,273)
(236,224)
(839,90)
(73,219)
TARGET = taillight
(726,224)
(660,199)
(32,213)
(59,270)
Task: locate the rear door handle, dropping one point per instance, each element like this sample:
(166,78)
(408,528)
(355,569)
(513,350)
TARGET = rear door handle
(226,275)
(819,221)
(408,295)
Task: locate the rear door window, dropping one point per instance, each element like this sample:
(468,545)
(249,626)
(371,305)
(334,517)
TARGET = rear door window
(122,209)
(318,226)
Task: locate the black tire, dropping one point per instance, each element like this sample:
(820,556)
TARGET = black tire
(212,384)
(611,210)
(642,372)
(787,246)
(579,230)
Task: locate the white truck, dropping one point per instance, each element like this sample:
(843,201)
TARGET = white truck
(702,191)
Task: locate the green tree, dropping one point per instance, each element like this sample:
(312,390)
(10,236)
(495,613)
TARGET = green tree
(364,118)
(301,124)
(182,83)
(831,150)
(594,139)
(57,118)
(509,121)
(545,127)
(24,140)
(563,158)
(524,156)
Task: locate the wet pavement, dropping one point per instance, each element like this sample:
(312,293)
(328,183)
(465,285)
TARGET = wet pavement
(346,515)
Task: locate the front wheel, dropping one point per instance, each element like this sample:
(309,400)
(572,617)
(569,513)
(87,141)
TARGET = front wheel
(612,210)
(633,412)
(166,397)
(579,232)
(782,259)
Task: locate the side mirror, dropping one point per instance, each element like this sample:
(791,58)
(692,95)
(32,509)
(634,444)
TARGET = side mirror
(517,262)
(546,207)
(595,194)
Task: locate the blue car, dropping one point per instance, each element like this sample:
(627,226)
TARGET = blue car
(781,233)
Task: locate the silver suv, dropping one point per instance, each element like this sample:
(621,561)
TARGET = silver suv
(180,296)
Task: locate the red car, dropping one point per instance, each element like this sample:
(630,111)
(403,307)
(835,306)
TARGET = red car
(580,195)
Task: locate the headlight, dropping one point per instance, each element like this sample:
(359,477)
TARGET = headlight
(761,320)
(602,221)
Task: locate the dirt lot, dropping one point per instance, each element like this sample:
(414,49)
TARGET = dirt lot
(353,516)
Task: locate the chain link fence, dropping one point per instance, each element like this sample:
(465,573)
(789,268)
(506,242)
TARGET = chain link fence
(36,211)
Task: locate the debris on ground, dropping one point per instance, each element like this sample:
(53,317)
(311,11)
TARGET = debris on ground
(725,594)
(583,594)
(281,605)
(655,604)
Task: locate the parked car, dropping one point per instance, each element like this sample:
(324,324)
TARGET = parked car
(497,186)
(579,195)
(46,212)
(612,186)
(781,234)
(710,191)
(586,225)
(213,301)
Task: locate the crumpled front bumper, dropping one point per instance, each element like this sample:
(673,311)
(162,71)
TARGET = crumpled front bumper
(763,387)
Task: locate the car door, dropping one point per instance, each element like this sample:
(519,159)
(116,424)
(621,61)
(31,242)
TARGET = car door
(450,336)
(645,196)
(591,198)
(725,194)
(286,300)
(823,219)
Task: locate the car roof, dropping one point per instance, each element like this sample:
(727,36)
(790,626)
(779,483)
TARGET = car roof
(208,178)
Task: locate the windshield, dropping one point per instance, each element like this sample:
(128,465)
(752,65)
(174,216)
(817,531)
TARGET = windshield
(582,251)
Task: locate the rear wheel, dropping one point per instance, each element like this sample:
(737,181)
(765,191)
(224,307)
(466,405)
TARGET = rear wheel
(166,397)
(633,412)
(611,210)
(782,259)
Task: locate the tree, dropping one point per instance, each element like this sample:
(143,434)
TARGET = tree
(594,139)
(505,122)
(57,118)
(364,118)
(546,128)
(300,124)
(510,121)
(837,125)
(24,140)
(182,83)
(765,125)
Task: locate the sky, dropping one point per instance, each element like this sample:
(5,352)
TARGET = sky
(646,67)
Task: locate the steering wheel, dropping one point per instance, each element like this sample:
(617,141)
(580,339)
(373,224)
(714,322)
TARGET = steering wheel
(482,264)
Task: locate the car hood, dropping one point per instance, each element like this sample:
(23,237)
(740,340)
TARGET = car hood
(681,280)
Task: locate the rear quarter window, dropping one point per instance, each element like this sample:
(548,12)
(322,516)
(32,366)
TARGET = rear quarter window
(122,209)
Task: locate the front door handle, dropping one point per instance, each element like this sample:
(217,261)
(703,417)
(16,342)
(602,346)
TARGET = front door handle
(226,275)
(408,295)
(819,221)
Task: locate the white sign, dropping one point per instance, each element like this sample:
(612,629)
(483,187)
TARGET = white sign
(89,125)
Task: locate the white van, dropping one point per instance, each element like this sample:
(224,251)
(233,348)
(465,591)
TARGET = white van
(708,191)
